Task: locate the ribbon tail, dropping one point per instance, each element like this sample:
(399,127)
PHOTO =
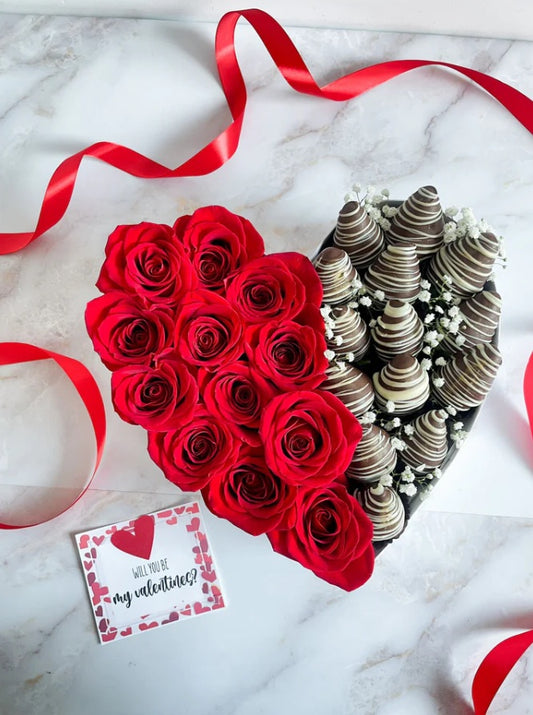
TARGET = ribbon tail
(495,667)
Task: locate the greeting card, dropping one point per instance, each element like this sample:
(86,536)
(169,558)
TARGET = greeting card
(149,572)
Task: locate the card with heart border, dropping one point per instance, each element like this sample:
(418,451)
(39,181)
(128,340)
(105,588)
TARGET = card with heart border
(149,572)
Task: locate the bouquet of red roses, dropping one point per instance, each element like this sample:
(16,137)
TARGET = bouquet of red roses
(218,351)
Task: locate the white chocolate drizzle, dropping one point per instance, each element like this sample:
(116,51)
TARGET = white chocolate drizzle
(419,221)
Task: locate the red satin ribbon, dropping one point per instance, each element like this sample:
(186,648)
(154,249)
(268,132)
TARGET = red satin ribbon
(500,660)
(217,152)
(83,381)
(495,667)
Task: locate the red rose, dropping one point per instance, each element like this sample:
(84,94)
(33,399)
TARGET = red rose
(250,496)
(196,452)
(157,398)
(148,261)
(208,331)
(218,242)
(124,332)
(290,354)
(236,394)
(309,437)
(332,537)
(275,287)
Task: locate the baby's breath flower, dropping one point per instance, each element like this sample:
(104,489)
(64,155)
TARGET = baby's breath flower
(398,444)
(425,285)
(427,350)
(457,425)
(368,418)
(438,381)
(426,364)
(390,406)
(356,284)
(329,332)
(386,481)
(437,472)
(453,311)
(385,193)
(407,477)
(451,410)
(407,489)
(451,211)
(385,224)
(365,300)
(445,322)
(440,362)
(350,357)
(424,296)
(357,188)
(409,429)
(372,323)
(373,212)
(453,327)
(379,295)
(430,336)
(438,309)
(460,340)
(339,340)
(447,296)
(330,355)
(389,211)
(325,310)
(447,279)
(429,318)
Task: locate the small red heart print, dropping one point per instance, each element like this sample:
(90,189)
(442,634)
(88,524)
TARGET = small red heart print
(198,608)
(179,510)
(84,541)
(87,565)
(174,616)
(99,611)
(110,635)
(194,525)
(98,540)
(140,541)
(172,521)
(127,632)
(193,508)
(98,592)
(164,514)
(103,625)
(146,626)
(205,588)
(186,611)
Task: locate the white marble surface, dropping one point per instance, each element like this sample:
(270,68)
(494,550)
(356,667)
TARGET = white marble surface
(459,579)
(480,18)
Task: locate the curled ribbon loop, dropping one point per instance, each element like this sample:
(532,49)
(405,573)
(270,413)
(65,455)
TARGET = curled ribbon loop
(86,387)
(292,67)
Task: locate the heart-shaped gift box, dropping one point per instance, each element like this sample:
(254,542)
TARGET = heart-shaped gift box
(291,394)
